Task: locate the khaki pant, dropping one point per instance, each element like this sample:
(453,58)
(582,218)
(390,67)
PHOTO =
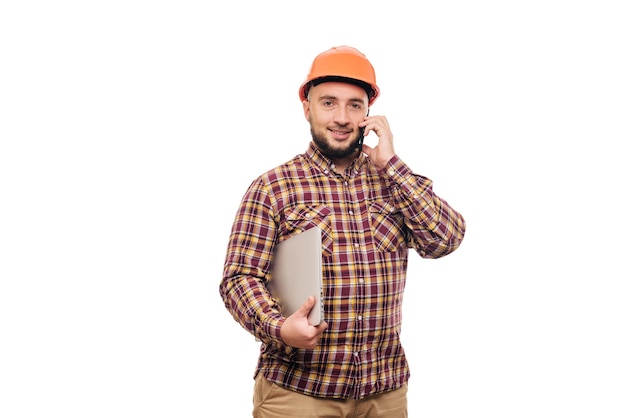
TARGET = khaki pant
(273,401)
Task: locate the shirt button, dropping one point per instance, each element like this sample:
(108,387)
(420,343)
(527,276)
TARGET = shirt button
(307,215)
(391,172)
(360,318)
(356,244)
(345,183)
(350,212)
(361,281)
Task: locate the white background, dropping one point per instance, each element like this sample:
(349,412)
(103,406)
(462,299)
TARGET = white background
(130,130)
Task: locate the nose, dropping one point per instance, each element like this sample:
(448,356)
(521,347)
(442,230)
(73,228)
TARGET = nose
(340,116)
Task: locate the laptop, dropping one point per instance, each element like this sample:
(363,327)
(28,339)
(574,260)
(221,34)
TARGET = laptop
(297,273)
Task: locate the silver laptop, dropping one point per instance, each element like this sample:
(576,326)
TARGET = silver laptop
(297,273)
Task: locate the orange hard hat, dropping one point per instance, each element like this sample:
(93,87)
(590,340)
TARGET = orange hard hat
(342,63)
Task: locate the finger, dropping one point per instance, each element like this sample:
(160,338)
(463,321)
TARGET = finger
(307,306)
(321,327)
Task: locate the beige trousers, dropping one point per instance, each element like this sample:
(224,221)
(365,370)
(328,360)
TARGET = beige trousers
(273,401)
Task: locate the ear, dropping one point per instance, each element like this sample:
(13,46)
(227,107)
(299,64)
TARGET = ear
(306,107)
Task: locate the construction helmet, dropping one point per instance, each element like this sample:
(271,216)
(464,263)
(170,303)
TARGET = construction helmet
(342,63)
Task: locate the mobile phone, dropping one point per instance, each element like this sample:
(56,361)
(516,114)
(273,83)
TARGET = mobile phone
(361,138)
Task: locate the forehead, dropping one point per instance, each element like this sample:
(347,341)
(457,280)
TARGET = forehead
(339,90)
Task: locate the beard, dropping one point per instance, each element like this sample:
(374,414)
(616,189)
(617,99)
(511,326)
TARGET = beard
(332,152)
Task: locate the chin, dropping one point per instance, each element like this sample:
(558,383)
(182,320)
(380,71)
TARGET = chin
(334,149)
(338,151)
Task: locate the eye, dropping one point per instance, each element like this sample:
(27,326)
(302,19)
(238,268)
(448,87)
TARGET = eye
(356,106)
(327,103)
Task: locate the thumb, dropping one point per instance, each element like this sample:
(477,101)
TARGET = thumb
(306,307)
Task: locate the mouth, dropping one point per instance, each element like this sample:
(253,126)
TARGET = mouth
(340,134)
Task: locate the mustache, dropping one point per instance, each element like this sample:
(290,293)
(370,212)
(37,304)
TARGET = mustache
(341,128)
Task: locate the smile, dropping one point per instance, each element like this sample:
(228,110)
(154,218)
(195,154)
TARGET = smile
(340,134)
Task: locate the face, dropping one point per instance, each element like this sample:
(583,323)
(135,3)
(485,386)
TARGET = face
(334,111)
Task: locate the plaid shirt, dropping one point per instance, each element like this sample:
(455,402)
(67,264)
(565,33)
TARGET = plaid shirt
(369,220)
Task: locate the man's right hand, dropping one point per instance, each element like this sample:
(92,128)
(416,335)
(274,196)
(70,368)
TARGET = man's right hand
(296,330)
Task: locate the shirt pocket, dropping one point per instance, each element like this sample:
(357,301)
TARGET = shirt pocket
(303,217)
(387,226)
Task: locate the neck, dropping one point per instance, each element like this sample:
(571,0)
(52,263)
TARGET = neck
(342,163)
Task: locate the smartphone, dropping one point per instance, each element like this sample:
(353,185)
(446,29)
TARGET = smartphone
(361,138)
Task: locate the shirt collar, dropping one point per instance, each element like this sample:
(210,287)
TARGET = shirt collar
(327,166)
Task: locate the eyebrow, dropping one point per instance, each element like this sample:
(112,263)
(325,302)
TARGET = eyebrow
(352,100)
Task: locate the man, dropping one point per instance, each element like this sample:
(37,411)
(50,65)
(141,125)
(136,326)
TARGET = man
(372,209)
